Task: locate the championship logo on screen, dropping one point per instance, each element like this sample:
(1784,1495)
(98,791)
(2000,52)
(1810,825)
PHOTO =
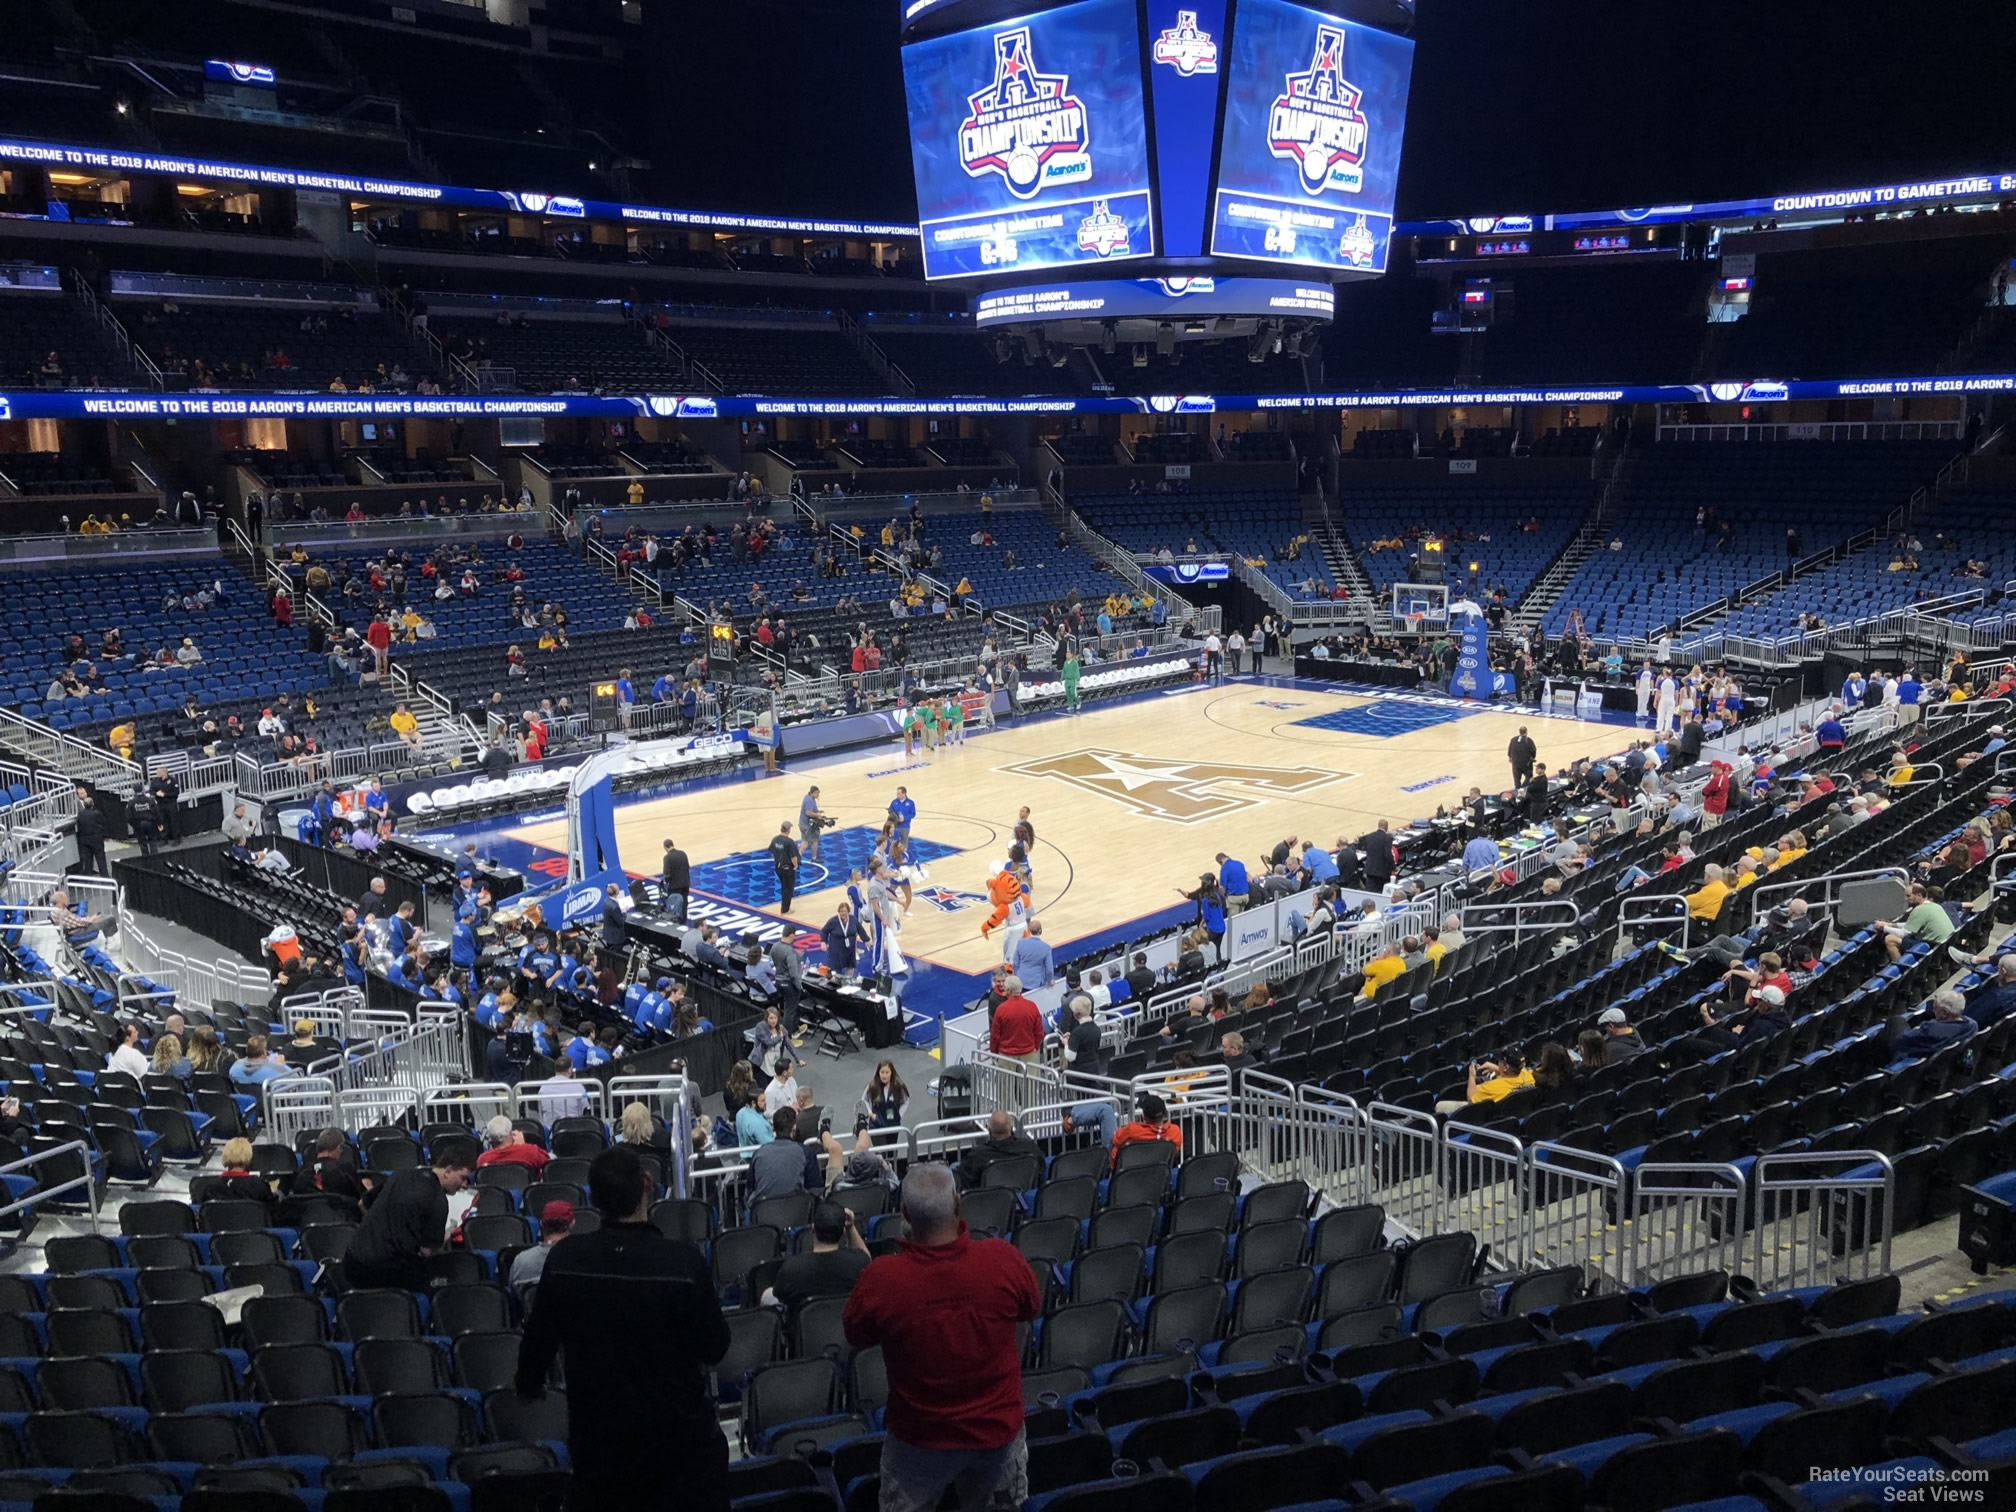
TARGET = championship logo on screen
(1102,231)
(1179,286)
(1026,126)
(1186,49)
(1317,122)
(1358,244)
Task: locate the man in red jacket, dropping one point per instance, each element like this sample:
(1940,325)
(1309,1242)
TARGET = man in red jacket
(378,635)
(1017,1029)
(945,1309)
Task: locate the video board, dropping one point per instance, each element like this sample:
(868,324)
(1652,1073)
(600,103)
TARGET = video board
(1309,151)
(1029,141)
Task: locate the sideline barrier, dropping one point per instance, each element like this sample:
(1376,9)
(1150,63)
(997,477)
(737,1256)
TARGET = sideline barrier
(1685,1216)
(1822,1217)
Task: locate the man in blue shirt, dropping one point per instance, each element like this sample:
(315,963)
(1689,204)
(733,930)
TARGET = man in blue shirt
(1853,689)
(467,911)
(1318,863)
(256,1067)
(903,809)
(1830,733)
(400,929)
(1909,691)
(665,689)
(1232,877)
(1949,1022)
(1033,961)
(1997,1001)
(1481,854)
(538,963)
(375,801)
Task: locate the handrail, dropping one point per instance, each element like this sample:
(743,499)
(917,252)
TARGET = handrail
(1830,897)
(88,1181)
(1628,918)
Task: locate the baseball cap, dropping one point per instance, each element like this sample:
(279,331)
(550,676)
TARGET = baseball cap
(559,1210)
(1772,995)
(1612,1016)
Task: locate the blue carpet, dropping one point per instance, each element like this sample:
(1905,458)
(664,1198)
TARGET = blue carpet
(1386,719)
(750,880)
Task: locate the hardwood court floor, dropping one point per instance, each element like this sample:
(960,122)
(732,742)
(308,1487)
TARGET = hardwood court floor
(1128,801)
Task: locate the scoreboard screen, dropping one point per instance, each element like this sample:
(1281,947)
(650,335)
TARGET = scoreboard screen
(1309,155)
(1029,141)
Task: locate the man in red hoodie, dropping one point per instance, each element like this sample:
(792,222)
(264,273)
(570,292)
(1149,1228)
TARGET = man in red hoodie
(945,1308)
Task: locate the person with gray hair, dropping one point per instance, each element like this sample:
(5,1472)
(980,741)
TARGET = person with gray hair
(505,1144)
(945,1310)
(1452,933)
(1948,1025)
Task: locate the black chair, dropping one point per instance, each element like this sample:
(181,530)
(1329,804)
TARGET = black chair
(87,1331)
(83,1438)
(1186,1318)
(1391,1456)
(458,1310)
(297,1372)
(283,1320)
(434,1420)
(1086,1334)
(316,1430)
(378,1313)
(79,1385)
(542,1420)
(787,1391)
(202,1438)
(1181,1438)
(404,1366)
(1670,1472)
(1343,1232)
(175,1380)
(1113,1271)
(485,1362)
(754,1338)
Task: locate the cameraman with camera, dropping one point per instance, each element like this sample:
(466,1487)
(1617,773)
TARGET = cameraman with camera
(1492,1077)
(812,822)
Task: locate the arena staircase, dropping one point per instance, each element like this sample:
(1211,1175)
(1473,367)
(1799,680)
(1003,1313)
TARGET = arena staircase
(1551,584)
(1338,555)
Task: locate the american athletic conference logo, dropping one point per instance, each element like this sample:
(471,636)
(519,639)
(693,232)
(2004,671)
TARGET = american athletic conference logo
(1102,231)
(1026,126)
(1317,122)
(1186,49)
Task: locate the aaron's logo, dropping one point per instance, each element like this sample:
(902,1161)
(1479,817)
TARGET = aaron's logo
(1184,792)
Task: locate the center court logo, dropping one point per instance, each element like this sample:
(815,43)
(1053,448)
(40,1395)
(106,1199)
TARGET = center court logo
(950,899)
(1186,49)
(1183,792)
(1317,122)
(1026,126)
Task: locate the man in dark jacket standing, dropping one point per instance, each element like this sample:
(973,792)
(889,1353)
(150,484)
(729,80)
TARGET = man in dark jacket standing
(678,881)
(1378,852)
(1522,753)
(637,1316)
(90,833)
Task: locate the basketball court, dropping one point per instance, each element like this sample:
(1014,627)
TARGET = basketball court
(1129,800)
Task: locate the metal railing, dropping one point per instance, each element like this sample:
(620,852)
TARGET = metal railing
(87,1181)
(1765,895)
